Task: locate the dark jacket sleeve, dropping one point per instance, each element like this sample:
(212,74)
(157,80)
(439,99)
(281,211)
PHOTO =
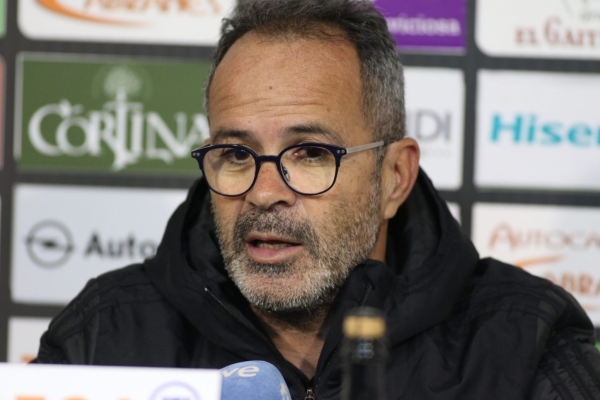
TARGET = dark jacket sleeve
(569,369)
(71,336)
(49,352)
(102,324)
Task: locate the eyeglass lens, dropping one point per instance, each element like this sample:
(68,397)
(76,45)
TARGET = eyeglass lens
(307,169)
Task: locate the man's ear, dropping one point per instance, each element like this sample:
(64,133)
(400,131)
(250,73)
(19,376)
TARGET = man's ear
(398,176)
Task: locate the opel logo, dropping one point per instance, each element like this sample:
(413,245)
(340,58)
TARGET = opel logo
(49,244)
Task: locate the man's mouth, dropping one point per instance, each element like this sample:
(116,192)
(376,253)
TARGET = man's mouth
(273,245)
(270,248)
(269,239)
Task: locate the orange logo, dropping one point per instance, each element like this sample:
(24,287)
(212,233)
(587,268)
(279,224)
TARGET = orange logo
(553,242)
(532,262)
(99,10)
(556,239)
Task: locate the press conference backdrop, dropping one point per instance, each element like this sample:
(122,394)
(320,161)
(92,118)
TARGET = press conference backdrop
(102,101)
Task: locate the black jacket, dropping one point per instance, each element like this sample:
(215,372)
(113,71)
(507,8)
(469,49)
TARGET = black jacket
(459,327)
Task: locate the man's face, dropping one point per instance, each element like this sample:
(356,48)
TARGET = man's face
(286,251)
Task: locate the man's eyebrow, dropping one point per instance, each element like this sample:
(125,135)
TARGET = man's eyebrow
(223,134)
(329,134)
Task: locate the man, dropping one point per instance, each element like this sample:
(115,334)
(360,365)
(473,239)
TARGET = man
(313,203)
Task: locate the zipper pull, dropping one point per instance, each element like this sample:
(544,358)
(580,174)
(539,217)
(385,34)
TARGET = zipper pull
(309,395)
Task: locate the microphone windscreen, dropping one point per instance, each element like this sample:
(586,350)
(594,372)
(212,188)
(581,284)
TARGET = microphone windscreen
(253,380)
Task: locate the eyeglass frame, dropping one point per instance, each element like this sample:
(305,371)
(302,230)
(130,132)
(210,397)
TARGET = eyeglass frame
(337,151)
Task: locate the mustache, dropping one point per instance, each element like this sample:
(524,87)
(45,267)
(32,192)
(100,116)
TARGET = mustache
(275,222)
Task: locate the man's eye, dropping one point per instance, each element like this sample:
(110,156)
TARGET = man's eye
(312,153)
(235,155)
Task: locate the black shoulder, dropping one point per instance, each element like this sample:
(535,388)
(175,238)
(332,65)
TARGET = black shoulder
(535,327)
(498,286)
(77,324)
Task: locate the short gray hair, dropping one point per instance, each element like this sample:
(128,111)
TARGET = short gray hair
(361,24)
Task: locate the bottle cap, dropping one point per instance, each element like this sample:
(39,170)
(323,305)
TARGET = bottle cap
(368,327)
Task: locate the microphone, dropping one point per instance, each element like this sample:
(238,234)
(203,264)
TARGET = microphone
(253,380)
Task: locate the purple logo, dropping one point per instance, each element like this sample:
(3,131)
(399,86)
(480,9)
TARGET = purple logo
(427,25)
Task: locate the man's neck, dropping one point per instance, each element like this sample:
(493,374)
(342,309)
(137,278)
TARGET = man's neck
(299,336)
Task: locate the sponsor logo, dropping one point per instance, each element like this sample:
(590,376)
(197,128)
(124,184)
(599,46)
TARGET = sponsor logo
(437,122)
(556,32)
(530,129)
(414,26)
(528,120)
(554,240)
(191,22)
(78,233)
(49,244)
(552,246)
(175,391)
(557,243)
(428,125)
(133,12)
(435,25)
(128,247)
(110,115)
(549,28)
(245,372)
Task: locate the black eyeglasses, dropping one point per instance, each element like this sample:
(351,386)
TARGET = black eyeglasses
(307,168)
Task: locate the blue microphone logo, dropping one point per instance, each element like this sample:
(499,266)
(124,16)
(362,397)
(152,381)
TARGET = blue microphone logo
(253,380)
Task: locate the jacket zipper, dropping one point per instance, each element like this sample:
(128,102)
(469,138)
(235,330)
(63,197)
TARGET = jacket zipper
(309,393)
(273,349)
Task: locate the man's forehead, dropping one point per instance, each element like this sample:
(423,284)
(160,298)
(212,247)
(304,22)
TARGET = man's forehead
(287,79)
(281,58)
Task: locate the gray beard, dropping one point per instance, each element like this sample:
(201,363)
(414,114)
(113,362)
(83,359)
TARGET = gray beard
(347,237)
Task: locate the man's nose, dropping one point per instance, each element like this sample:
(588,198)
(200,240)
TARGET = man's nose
(270,189)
